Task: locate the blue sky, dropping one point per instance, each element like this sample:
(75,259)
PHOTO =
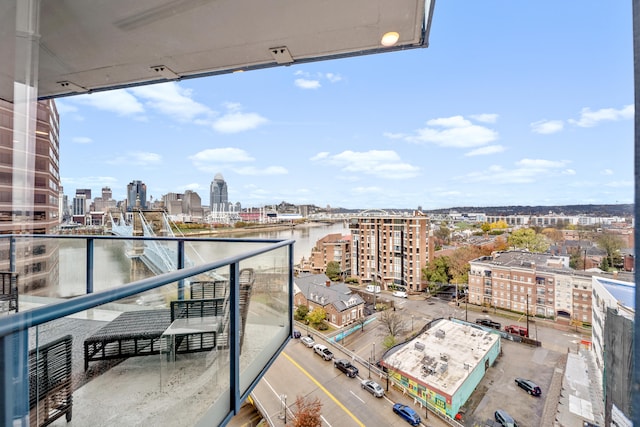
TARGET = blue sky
(513,103)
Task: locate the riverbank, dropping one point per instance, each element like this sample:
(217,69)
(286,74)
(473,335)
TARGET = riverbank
(238,232)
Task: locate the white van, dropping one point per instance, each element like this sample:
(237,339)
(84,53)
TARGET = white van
(400,294)
(373,288)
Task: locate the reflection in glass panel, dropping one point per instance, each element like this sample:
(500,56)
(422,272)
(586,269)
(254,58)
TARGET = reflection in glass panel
(264,308)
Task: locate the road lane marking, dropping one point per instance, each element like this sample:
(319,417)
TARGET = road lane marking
(321,387)
(325,420)
(354,395)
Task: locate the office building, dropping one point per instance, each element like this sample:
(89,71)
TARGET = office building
(219,199)
(136,191)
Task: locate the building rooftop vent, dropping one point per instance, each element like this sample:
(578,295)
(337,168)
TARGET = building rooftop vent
(440,333)
(419,346)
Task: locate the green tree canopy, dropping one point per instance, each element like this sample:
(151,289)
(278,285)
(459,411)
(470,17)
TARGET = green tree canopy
(333,270)
(437,270)
(527,238)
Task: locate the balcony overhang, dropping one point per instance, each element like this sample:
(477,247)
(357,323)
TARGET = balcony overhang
(93,46)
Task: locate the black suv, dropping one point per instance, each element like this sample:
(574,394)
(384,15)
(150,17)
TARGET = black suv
(489,323)
(529,386)
(345,366)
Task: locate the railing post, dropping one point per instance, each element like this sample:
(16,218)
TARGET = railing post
(14,379)
(234,336)
(12,254)
(180,262)
(89,273)
(290,247)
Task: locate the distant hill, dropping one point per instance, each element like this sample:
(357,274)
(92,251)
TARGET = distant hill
(624,210)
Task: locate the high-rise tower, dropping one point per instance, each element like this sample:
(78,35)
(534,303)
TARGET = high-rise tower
(136,190)
(219,200)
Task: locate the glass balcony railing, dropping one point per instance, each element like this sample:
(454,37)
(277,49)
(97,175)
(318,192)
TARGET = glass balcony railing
(97,334)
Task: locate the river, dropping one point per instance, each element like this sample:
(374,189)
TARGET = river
(113,268)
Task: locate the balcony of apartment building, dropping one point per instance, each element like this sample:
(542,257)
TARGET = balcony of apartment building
(181,347)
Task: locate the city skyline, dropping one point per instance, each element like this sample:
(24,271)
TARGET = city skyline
(496,111)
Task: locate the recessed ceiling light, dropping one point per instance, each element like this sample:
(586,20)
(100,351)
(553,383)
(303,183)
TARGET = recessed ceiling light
(390,38)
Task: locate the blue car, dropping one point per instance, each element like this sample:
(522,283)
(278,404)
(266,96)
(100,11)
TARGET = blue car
(408,414)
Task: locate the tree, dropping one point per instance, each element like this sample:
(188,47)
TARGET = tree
(499,225)
(612,244)
(459,262)
(485,227)
(301,312)
(553,234)
(393,322)
(333,270)
(443,232)
(437,271)
(389,341)
(527,238)
(306,412)
(317,316)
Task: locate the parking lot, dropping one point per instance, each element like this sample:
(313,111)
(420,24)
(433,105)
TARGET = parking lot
(498,389)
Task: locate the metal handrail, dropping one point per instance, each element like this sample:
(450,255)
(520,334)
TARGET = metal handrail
(23,320)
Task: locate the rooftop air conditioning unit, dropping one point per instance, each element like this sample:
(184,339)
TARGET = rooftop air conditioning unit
(419,346)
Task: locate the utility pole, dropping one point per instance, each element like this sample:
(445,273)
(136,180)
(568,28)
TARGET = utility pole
(527,315)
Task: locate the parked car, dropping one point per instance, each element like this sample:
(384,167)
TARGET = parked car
(529,386)
(323,351)
(345,366)
(308,341)
(406,413)
(517,330)
(296,333)
(373,388)
(373,288)
(400,294)
(505,419)
(489,323)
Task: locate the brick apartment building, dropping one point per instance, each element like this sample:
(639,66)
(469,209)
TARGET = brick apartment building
(390,249)
(542,283)
(332,247)
(341,305)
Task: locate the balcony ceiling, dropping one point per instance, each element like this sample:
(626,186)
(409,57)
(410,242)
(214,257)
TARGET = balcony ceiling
(100,45)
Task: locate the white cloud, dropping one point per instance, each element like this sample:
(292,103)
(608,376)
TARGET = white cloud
(172,100)
(526,171)
(307,84)
(321,155)
(590,118)
(333,78)
(391,135)
(137,158)
(569,172)
(454,131)
(236,121)
(221,155)
(65,107)
(547,126)
(489,149)
(214,159)
(82,140)
(607,172)
(485,118)
(381,163)
(119,101)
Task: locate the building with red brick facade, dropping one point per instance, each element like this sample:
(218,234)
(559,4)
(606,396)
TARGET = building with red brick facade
(342,306)
(332,247)
(390,249)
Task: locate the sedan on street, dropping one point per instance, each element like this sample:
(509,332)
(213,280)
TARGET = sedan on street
(373,388)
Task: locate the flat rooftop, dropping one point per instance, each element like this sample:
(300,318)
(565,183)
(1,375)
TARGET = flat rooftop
(443,356)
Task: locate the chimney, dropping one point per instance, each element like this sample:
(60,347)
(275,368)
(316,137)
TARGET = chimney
(328,283)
